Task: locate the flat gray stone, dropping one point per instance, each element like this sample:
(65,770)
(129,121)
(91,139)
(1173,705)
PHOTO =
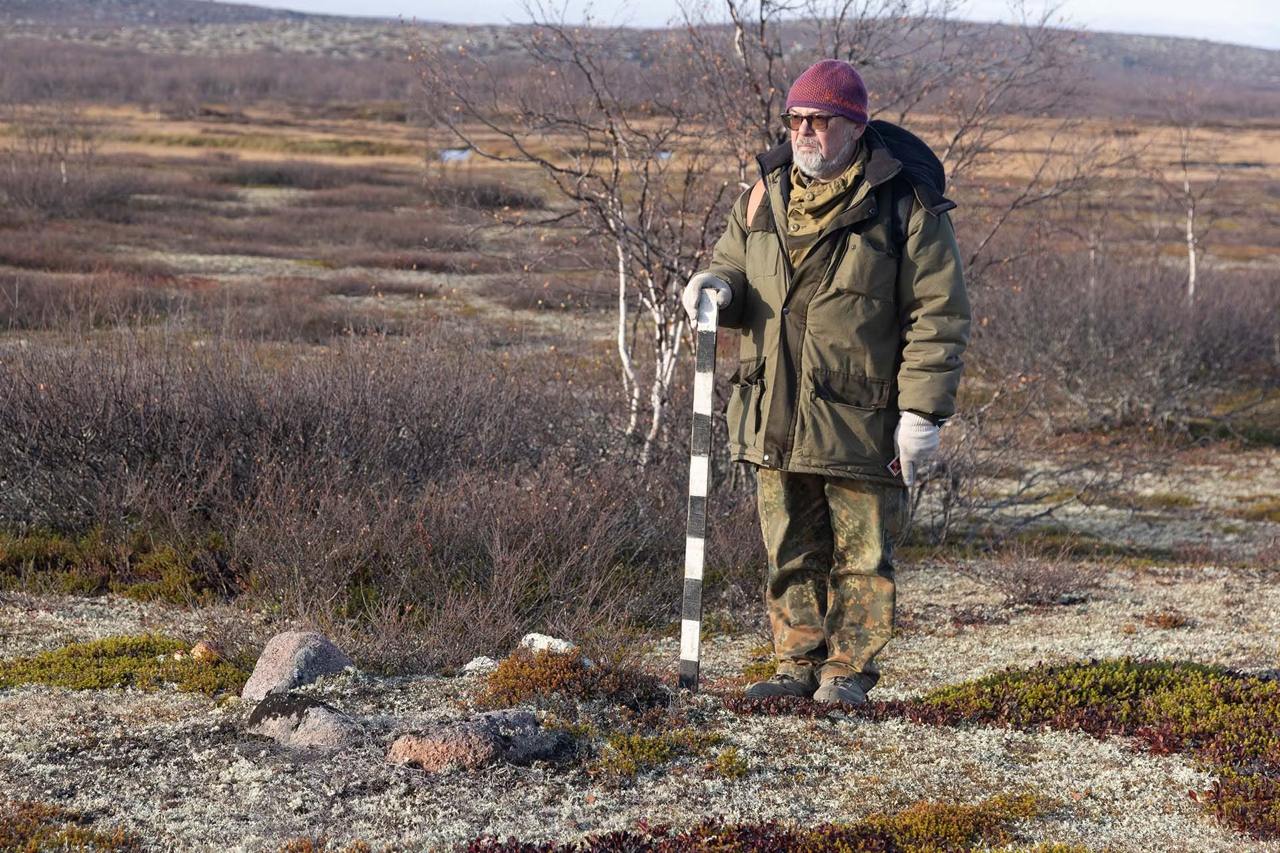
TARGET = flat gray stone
(291,660)
(302,722)
(512,736)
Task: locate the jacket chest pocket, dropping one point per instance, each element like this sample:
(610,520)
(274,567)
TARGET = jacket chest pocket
(866,267)
(745,401)
(764,265)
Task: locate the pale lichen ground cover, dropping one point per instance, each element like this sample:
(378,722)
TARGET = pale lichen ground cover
(178,770)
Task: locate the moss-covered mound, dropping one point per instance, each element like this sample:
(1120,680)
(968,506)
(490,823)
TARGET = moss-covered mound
(923,827)
(1229,721)
(30,827)
(145,662)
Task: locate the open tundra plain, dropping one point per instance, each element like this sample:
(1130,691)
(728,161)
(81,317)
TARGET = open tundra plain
(295,394)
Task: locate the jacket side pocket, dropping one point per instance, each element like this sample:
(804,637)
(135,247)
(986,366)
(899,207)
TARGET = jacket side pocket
(747,397)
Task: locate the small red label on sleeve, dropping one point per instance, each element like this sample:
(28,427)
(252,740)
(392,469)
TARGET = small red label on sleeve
(895,467)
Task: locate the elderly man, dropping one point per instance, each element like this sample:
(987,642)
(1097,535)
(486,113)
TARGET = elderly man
(841,270)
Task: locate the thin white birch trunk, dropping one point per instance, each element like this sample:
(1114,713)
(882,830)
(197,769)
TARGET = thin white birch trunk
(1191,241)
(630,386)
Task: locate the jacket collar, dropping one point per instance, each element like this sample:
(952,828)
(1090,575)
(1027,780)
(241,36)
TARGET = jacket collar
(881,165)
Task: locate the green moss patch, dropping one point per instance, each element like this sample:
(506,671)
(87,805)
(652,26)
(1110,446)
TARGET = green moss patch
(145,662)
(1228,721)
(30,827)
(1265,508)
(631,754)
(923,827)
(531,677)
(93,563)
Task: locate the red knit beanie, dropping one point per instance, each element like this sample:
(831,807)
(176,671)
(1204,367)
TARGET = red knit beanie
(831,85)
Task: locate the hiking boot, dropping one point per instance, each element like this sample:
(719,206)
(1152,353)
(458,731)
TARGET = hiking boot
(780,685)
(841,688)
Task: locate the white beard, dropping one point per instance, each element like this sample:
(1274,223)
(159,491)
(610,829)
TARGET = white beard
(812,164)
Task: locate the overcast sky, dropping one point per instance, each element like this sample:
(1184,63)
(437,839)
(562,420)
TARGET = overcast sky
(1252,22)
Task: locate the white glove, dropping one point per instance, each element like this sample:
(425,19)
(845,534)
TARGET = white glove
(917,441)
(704,281)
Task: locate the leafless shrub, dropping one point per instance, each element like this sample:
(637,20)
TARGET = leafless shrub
(548,292)
(80,303)
(362,197)
(480,194)
(50,250)
(303,175)
(1130,350)
(1027,574)
(289,309)
(40,70)
(1267,555)
(419,488)
(425,261)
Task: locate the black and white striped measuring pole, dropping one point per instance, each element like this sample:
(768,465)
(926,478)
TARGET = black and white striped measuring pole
(699,480)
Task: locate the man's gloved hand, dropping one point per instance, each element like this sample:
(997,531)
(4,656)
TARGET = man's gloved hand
(700,282)
(917,441)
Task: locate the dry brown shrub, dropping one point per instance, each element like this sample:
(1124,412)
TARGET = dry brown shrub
(1166,620)
(1026,573)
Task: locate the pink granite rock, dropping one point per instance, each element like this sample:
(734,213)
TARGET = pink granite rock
(463,746)
(291,660)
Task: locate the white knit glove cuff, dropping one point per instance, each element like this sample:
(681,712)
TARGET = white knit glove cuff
(700,282)
(917,440)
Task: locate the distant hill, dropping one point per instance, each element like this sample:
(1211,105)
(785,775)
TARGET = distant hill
(89,13)
(1129,74)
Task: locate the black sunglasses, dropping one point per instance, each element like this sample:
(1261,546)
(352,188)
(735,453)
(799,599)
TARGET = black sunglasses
(817,122)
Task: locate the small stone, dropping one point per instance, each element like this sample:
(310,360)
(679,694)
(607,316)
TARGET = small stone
(544,643)
(291,660)
(302,722)
(479,666)
(207,652)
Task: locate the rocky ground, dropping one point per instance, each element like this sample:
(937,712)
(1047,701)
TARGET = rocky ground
(182,770)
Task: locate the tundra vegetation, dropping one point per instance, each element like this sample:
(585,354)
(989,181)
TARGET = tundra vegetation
(390,348)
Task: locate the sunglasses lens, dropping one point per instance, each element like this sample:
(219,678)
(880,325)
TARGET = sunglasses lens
(795,122)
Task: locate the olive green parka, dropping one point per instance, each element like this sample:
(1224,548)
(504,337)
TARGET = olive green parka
(872,322)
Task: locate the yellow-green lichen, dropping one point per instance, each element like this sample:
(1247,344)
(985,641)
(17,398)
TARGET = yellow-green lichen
(730,764)
(144,662)
(630,754)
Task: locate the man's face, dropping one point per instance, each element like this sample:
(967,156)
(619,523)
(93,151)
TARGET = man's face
(823,154)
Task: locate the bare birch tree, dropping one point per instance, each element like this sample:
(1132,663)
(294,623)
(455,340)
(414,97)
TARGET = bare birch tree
(1191,196)
(48,159)
(633,170)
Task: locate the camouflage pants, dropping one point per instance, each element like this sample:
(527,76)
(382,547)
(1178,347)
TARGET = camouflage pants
(829,589)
